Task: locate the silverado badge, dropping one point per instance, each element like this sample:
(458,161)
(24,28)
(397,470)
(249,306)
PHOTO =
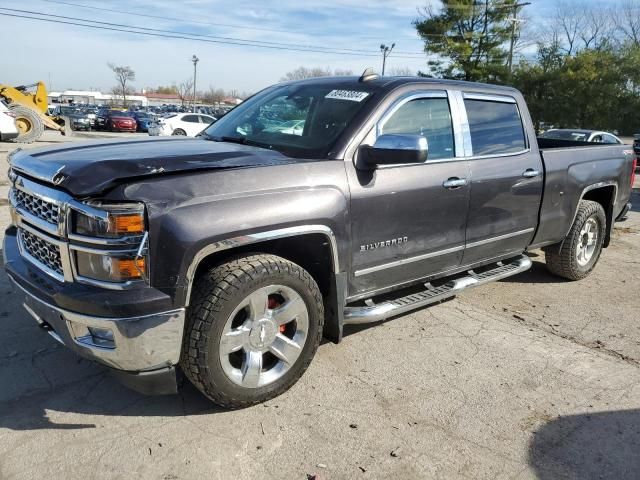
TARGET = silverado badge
(384,243)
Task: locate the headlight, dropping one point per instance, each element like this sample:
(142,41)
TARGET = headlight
(107,268)
(113,221)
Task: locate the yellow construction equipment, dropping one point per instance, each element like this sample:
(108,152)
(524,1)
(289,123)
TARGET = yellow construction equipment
(30,108)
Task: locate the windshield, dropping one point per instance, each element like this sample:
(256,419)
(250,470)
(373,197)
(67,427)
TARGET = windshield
(296,120)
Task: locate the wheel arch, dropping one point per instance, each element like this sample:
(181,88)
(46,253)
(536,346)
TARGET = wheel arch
(605,194)
(313,247)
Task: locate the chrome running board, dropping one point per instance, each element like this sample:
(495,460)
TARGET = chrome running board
(376,312)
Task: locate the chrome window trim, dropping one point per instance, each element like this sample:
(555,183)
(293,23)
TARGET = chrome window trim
(498,99)
(230,243)
(489,97)
(417,95)
(459,113)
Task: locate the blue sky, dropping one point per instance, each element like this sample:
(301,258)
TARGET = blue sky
(76,57)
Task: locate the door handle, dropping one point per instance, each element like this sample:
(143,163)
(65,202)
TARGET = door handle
(530,173)
(454,182)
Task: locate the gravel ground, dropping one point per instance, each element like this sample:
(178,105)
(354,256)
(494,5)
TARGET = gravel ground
(530,377)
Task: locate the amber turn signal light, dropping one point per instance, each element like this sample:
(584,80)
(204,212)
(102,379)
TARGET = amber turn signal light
(126,223)
(127,268)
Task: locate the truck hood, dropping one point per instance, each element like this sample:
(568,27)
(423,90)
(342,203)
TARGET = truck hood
(91,168)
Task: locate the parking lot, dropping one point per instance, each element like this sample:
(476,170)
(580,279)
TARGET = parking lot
(532,377)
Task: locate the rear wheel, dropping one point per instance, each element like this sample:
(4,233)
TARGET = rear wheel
(253,328)
(180,132)
(581,249)
(29,124)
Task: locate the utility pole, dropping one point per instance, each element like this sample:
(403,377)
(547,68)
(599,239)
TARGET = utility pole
(514,22)
(386,51)
(195,61)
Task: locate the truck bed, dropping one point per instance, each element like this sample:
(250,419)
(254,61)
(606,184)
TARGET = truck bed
(571,170)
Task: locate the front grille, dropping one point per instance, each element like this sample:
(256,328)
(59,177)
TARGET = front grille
(36,206)
(43,251)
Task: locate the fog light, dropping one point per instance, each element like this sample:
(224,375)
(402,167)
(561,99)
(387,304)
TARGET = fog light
(102,337)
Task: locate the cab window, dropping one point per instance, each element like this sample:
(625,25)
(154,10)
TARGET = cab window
(496,127)
(428,117)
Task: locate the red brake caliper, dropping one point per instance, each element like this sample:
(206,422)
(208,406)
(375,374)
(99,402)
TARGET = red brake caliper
(273,304)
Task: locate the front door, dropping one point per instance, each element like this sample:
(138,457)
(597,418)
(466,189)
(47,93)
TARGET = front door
(408,221)
(506,179)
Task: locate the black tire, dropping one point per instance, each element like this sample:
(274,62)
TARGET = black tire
(179,132)
(30,125)
(216,295)
(562,258)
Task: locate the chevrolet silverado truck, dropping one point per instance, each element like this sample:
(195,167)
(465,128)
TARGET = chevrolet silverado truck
(227,257)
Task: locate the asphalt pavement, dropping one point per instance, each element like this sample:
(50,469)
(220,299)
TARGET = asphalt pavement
(531,377)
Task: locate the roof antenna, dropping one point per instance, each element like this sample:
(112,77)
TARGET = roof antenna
(368,75)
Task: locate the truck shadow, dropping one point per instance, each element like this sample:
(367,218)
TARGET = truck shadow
(603,445)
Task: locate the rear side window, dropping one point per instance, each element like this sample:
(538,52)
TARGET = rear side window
(496,127)
(191,119)
(428,117)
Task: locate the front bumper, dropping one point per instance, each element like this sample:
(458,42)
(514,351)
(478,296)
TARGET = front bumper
(143,348)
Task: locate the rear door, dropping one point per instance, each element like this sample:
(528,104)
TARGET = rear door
(506,178)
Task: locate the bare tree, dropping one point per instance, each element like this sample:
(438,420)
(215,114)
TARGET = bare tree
(185,90)
(569,23)
(301,73)
(628,21)
(123,74)
(401,72)
(214,95)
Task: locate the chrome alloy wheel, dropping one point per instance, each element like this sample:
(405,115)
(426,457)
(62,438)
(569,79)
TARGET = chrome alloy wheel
(264,336)
(587,242)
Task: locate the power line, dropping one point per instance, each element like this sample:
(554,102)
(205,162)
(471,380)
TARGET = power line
(189,36)
(309,48)
(199,22)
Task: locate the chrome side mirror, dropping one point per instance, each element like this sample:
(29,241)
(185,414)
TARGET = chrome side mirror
(394,149)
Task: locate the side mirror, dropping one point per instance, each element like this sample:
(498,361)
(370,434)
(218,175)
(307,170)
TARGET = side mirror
(394,149)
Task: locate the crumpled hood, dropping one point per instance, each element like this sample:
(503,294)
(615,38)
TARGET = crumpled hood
(90,168)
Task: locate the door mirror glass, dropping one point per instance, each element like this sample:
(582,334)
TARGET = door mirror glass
(394,149)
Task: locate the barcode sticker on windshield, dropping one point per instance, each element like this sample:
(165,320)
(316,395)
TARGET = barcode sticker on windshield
(351,95)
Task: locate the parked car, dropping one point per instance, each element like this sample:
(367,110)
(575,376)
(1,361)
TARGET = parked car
(182,124)
(8,127)
(78,119)
(143,120)
(230,255)
(636,145)
(117,121)
(579,135)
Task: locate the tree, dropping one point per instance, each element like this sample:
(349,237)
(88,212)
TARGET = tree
(468,37)
(401,72)
(172,90)
(301,73)
(185,90)
(123,74)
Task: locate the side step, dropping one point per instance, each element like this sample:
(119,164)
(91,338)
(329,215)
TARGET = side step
(374,313)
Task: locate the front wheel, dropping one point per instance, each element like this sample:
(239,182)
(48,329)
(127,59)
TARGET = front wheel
(578,254)
(253,328)
(180,132)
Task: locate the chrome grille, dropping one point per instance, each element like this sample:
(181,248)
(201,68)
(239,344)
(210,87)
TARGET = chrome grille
(43,251)
(38,207)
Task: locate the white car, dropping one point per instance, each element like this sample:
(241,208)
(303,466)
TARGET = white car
(8,128)
(582,135)
(185,124)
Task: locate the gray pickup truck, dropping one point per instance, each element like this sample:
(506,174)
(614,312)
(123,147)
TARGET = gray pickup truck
(311,206)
